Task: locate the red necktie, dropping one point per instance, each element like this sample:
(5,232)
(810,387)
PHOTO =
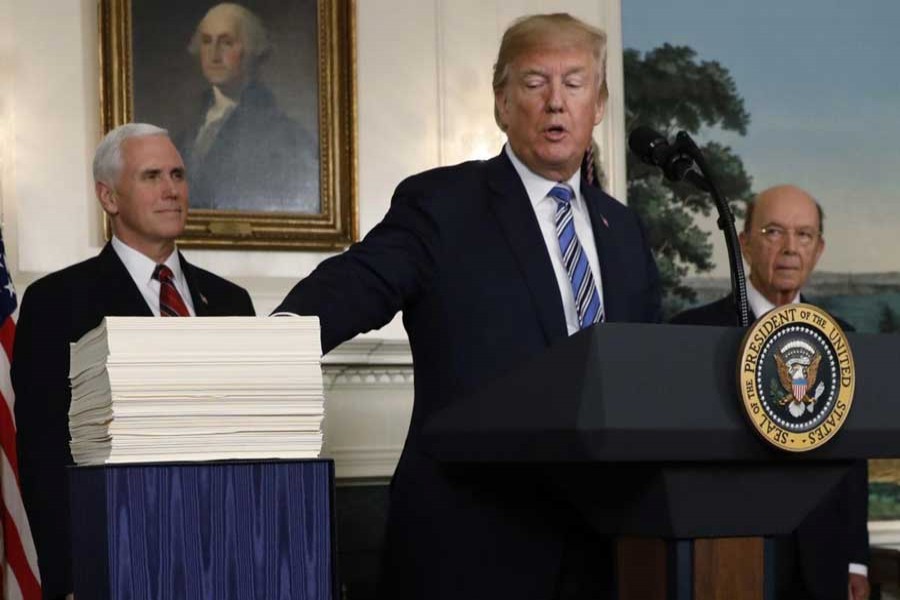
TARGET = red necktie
(170,302)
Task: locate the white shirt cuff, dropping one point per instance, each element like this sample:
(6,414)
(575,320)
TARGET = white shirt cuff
(859,569)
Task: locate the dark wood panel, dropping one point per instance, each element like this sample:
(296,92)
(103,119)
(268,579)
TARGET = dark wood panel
(728,568)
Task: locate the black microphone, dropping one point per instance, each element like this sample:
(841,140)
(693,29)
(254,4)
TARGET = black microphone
(676,160)
(650,146)
(684,160)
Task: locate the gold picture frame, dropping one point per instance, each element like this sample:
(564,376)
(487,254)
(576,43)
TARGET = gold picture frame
(333,223)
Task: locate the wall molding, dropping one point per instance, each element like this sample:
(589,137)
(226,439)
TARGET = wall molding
(371,352)
(885,534)
(367,376)
(365,462)
(612,128)
(368,403)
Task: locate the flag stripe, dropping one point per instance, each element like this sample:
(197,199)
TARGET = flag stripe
(7,335)
(12,501)
(18,562)
(8,438)
(21,559)
(11,591)
(6,389)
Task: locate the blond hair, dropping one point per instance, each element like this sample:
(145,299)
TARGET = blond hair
(531,31)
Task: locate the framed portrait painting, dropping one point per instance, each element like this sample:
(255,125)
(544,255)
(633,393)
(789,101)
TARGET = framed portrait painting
(260,99)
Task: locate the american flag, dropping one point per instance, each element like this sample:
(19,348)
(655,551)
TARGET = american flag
(18,560)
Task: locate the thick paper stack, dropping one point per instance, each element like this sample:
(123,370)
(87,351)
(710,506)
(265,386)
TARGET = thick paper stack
(208,388)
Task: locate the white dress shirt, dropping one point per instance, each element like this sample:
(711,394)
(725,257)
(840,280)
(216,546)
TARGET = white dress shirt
(221,107)
(544,207)
(759,304)
(141,268)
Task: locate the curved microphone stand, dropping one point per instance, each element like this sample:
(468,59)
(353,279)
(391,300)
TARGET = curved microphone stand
(701,177)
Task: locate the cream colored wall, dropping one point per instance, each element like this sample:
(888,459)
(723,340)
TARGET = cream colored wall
(424,100)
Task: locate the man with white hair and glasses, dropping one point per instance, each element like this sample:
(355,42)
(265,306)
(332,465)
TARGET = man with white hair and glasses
(782,241)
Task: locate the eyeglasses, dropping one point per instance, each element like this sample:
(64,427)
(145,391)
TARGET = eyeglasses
(775,235)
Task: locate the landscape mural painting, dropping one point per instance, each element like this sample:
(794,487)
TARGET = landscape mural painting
(776,92)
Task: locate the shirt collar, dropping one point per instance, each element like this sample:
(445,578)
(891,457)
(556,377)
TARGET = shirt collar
(759,304)
(140,265)
(222,105)
(536,186)
(221,100)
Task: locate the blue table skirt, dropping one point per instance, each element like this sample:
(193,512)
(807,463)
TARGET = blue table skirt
(238,530)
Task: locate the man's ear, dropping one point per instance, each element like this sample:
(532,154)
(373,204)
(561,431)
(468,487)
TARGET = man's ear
(600,109)
(501,108)
(820,248)
(742,237)
(107,197)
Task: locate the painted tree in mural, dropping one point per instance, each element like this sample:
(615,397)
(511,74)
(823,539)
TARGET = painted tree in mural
(668,89)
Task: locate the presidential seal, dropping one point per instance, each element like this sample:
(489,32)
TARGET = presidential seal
(796,377)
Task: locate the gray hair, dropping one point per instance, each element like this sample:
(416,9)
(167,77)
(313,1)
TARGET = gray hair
(108,157)
(250,27)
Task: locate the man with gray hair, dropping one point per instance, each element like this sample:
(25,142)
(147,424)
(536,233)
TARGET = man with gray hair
(140,183)
(243,151)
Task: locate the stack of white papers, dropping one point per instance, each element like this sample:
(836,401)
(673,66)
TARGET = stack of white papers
(184,389)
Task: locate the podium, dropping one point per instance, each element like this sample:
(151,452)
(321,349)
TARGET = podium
(240,530)
(641,428)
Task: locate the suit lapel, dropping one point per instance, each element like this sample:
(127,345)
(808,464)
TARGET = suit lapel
(120,296)
(201,302)
(510,204)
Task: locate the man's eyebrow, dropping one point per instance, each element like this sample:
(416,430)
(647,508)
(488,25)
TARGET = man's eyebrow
(533,71)
(577,70)
(151,172)
(213,36)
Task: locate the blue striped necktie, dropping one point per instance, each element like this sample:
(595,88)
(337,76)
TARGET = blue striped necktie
(587,299)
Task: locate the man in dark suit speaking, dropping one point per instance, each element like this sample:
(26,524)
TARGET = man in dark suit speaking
(490,263)
(141,185)
(782,242)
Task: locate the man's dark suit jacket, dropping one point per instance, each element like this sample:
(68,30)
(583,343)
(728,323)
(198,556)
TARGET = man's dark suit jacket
(57,310)
(835,533)
(460,252)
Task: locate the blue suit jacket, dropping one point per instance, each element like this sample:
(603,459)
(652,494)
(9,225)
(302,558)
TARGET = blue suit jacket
(461,254)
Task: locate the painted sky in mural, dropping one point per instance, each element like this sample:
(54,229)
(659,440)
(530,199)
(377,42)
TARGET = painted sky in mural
(821,83)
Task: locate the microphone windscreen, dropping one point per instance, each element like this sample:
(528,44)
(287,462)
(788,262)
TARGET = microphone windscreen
(648,145)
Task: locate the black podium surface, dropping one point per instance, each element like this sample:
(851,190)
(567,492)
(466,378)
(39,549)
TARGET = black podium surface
(642,427)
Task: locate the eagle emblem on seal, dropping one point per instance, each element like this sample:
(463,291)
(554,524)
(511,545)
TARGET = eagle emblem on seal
(798,367)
